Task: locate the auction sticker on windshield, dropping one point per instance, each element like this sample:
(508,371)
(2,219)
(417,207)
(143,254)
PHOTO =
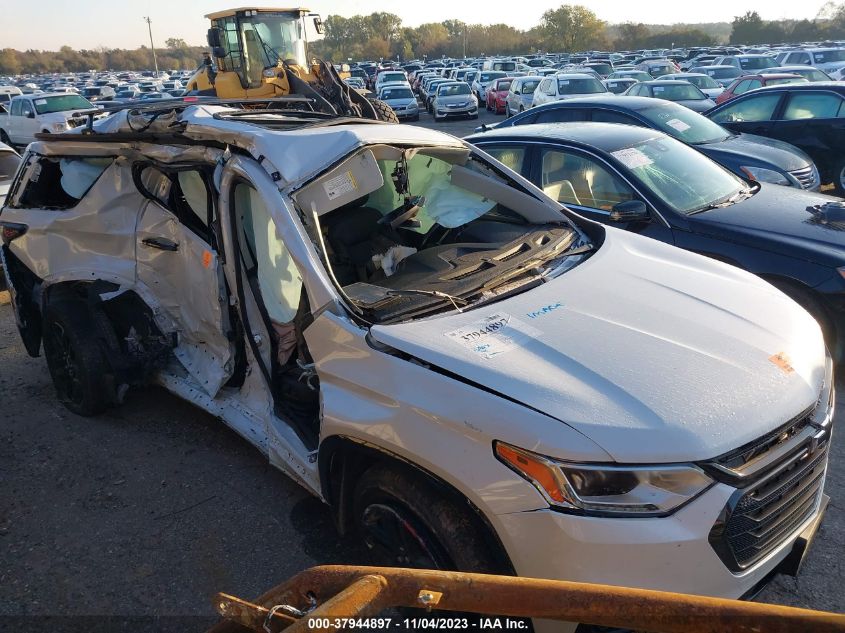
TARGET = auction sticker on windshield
(632,158)
(678,125)
(494,335)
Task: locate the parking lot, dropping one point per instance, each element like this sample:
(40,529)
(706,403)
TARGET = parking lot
(137,517)
(143,513)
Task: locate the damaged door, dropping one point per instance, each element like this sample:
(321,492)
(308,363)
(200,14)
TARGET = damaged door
(178,260)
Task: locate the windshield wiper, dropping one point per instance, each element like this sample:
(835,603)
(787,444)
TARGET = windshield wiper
(429,293)
(742,193)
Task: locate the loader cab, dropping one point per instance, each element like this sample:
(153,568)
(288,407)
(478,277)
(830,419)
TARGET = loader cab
(249,42)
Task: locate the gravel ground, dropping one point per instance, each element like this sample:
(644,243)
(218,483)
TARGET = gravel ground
(147,511)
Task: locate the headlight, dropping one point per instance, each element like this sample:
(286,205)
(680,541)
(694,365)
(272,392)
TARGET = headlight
(761,174)
(606,490)
(59,127)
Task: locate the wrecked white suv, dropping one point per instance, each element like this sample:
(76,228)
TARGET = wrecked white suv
(468,374)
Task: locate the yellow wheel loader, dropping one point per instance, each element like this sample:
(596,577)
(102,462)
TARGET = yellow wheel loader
(261,54)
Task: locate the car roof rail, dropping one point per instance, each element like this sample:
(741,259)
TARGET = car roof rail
(177,103)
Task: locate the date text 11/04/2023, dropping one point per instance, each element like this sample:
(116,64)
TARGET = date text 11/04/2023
(419,623)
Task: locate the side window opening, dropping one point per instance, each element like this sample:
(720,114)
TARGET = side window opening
(61,182)
(184,191)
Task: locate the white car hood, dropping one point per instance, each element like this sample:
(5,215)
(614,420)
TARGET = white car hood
(654,353)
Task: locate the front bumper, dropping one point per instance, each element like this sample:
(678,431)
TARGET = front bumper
(666,554)
(405,113)
(469,110)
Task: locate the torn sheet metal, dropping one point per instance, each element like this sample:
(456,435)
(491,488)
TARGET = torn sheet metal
(187,283)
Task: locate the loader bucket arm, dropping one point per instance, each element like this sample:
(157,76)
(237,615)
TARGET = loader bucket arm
(320,594)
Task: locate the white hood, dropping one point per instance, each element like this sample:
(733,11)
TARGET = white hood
(656,354)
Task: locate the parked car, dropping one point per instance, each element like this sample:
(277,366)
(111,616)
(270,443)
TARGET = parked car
(9,162)
(98,93)
(497,94)
(126,94)
(722,74)
(658,67)
(828,60)
(747,83)
(521,94)
(619,86)
(152,96)
(402,100)
(807,72)
(807,115)
(495,400)
(681,92)
(652,184)
(454,99)
(567,86)
(430,90)
(747,63)
(746,155)
(639,75)
(29,115)
(390,77)
(355,82)
(698,60)
(603,69)
(702,81)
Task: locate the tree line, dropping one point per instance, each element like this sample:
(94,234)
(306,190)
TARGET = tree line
(176,55)
(569,28)
(381,35)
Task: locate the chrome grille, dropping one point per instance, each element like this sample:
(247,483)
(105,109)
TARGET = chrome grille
(766,515)
(779,480)
(72,123)
(808,176)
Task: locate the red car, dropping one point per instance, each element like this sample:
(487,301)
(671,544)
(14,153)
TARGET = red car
(752,82)
(497,93)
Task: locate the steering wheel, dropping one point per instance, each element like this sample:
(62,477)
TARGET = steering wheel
(403,213)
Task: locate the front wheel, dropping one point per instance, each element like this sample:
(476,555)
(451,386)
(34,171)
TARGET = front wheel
(406,522)
(4,138)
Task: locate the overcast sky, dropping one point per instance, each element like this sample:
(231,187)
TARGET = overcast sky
(50,24)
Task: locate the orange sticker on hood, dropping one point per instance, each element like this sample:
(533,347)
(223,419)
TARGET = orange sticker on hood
(206,259)
(782,360)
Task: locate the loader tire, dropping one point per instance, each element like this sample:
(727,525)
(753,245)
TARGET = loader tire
(384,111)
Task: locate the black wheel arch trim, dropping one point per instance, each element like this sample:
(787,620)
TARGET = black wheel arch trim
(343,459)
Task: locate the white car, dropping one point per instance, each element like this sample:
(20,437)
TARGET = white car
(51,113)
(567,86)
(482,82)
(469,375)
(390,77)
(829,60)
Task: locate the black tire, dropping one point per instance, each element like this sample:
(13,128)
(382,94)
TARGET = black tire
(4,138)
(839,178)
(442,534)
(77,359)
(384,111)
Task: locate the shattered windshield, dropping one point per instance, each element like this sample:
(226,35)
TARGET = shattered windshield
(434,232)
